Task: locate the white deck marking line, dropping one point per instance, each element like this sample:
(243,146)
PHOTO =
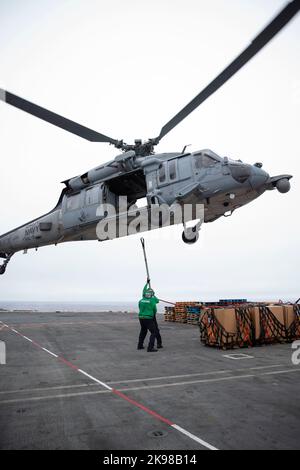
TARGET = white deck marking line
(126,398)
(28,339)
(216,372)
(238,357)
(263,367)
(60,387)
(204,381)
(282,372)
(171,377)
(48,397)
(97,392)
(95,380)
(195,438)
(192,382)
(47,350)
(41,389)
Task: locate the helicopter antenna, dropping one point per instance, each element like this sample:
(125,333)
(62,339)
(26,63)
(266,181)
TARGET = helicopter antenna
(185,147)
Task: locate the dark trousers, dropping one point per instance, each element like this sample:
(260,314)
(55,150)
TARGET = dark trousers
(149,325)
(158,337)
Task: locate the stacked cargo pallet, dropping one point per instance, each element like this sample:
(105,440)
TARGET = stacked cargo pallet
(232,301)
(250,325)
(189,312)
(169,314)
(225,303)
(216,329)
(180,311)
(193,314)
(229,324)
(292,318)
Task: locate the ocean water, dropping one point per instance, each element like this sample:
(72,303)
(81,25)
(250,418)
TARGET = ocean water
(70,306)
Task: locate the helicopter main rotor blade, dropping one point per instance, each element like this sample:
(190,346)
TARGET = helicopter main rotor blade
(54,118)
(256,45)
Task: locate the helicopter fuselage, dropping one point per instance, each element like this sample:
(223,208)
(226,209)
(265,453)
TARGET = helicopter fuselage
(221,185)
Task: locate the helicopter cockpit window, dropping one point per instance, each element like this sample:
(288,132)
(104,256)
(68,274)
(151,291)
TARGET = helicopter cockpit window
(204,161)
(92,196)
(85,179)
(172,170)
(162,174)
(208,162)
(198,161)
(73,202)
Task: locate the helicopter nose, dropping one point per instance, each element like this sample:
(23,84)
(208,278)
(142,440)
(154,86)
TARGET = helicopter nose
(258,177)
(241,172)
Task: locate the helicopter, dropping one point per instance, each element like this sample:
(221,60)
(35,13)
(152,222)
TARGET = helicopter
(221,185)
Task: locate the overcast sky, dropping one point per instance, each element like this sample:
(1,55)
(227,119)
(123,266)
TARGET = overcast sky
(124,68)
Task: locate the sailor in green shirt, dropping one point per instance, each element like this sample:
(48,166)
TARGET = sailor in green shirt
(147,317)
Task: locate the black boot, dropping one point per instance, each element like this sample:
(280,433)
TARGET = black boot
(159,346)
(152,350)
(140,347)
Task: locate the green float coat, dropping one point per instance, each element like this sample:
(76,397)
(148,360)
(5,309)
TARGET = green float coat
(147,306)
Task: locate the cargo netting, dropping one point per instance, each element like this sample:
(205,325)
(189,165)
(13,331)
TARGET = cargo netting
(212,332)
(251,324)
(245,336)
(271,330)
(293,332)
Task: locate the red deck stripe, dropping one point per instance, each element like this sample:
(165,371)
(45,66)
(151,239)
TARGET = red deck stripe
(142,407)
(116,392)
(67,363)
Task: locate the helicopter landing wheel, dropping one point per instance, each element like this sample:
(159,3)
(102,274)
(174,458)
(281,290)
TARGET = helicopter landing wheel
(190,236)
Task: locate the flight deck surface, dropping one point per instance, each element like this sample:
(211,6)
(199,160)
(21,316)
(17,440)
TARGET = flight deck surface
(76,381)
